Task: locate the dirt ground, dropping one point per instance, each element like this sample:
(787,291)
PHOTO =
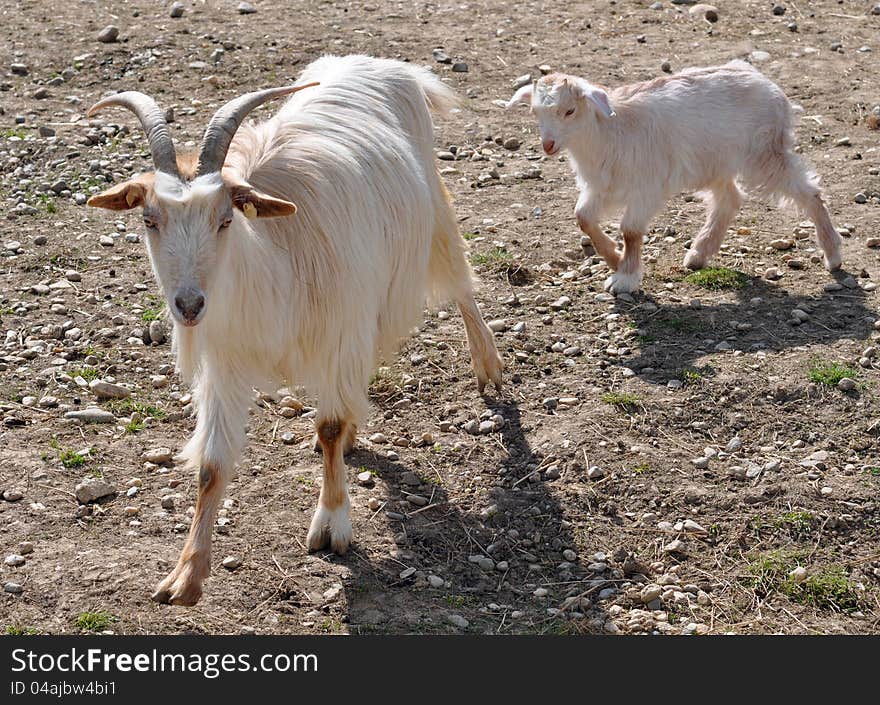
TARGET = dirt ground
(664,462)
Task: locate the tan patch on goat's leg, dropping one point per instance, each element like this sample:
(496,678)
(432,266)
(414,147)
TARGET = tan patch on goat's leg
(485,360)
(348,444)
(183,585)
(332,520)
(602,243)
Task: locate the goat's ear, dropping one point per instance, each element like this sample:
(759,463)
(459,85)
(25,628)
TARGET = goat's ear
(599,100)
(259,205)
(122,197)
(523,95)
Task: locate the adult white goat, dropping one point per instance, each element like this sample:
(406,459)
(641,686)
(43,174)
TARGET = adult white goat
(314,298)
(702,129)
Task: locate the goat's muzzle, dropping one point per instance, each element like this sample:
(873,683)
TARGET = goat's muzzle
(189,306)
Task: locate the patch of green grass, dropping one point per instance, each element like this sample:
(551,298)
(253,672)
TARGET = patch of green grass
(130,406)
(15,132)
(641,468)
(495,256)
(826,588)
(87,373)
(134,427)
(71,459)
(469,236)
(718,278)
(15,630)
(459,600)
(829,373)
(151,314)
(6,310)
(798,522)
(93,621)
(646,339)
(873,472)
(622,400)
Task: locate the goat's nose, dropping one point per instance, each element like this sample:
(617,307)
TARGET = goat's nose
(549,145)
(189,304)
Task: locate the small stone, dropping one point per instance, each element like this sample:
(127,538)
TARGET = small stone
(231,562)
(595,473)
(441,57)
(13,495)
(157,332)
(498,325)
(486,426)
(91,415)
(675,546)
(287,438)
(93,489)
(109,34)
(734,444)
(374,503)
(365,479)
(407,573)
(798,575)
(649,593)
(778,10)
(846,384)
(176,10)
(460,67)
(13,560)
(860,198)
(13,588)
(561,303)
(569,555)
(19,69)
(159,456)
(106,390)
(693,527)
(245,8)
(436,581)
(457,620)
(700,463)
(168,502)
(417,499)
(512,144)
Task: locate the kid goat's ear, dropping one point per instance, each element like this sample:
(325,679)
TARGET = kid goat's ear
(523,95)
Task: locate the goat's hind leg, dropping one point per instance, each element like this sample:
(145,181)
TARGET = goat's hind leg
(485,359)
(725,201)
(807,195)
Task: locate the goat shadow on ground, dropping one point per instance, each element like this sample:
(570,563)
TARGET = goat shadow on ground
(673,338)
(526,528)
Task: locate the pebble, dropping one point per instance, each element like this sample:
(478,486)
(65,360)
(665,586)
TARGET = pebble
(498,325)
(460,67)
(675,546)
(846,384)
(14,559)
(109,34)
(92,489)
(231,562)
(595,473)
(457,620)
(167,502)
(374,503)
(798,575)
(13,495)
(245,8)
(159,456)
(561,303)
(440,56)
(91,415)
(569,555)
(365,479)
(176,10)
(25,547)
(13,588)
(107,390)
(417,499)
(436,581)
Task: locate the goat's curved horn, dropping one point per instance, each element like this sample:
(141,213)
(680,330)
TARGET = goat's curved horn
(152,120)
(222,128)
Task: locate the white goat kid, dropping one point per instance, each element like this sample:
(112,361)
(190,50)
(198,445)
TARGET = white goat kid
(636,146)
(314,299)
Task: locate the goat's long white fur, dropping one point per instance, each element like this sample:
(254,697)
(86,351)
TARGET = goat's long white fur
(312,298)
(703,129)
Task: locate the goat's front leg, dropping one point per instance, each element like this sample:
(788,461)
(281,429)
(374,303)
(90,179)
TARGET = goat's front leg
(628,277)
(215,447)
(587,213)
(331,523)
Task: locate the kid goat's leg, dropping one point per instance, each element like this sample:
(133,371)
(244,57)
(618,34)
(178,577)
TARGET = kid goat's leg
(723,206)
(215,447)
(587,214)
(807,195)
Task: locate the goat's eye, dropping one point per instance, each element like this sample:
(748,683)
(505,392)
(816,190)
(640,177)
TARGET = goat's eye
(150,223)
(569,112)
(226,223)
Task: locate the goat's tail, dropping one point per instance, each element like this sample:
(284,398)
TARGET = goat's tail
(440,98)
